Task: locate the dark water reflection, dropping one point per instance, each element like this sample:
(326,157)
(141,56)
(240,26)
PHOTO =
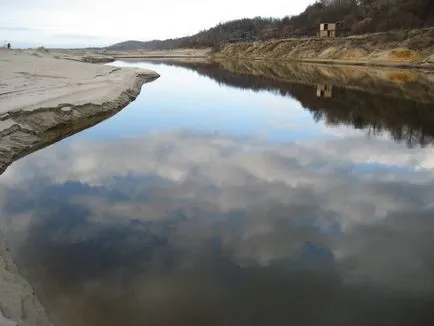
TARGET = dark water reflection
(395,101)
(184,227)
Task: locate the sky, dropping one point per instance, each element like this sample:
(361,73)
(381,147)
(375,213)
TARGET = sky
(81,23)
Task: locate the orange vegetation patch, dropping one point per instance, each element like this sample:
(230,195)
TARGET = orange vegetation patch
(403,54)
(401,76)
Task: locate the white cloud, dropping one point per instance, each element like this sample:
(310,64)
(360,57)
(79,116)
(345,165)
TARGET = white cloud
(130,19)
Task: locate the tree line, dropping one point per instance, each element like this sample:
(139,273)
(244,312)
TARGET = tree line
(355,17)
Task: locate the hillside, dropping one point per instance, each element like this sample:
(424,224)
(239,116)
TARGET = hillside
(127,45)
(356,17)
(401,48)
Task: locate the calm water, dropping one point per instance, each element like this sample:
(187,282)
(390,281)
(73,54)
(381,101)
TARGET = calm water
(219,198)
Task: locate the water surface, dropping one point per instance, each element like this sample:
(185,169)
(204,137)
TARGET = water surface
(234,198)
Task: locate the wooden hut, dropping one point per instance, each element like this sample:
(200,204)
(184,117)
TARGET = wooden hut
(327,30)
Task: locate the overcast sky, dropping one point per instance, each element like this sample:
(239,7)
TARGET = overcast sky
(100,22)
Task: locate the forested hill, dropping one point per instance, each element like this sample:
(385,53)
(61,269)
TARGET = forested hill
(358,17)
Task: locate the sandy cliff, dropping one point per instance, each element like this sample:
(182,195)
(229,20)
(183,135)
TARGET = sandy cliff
(407,48)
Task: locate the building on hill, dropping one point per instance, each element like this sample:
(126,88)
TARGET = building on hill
(327,30)
(332,29)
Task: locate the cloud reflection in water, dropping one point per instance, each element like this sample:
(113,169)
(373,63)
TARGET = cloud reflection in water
(190,228)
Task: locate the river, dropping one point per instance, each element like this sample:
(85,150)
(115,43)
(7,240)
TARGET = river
(232,195)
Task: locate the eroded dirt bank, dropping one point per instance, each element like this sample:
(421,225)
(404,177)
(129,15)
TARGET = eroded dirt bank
(406,48)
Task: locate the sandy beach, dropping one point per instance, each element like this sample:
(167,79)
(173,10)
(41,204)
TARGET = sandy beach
(39,93)
(42,99)
(29,82)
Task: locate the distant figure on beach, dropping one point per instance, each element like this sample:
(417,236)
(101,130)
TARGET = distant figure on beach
(9,45)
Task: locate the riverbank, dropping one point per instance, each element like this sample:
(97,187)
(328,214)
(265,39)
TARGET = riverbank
(42,100)
(397,49)
(163,54)
(106,56)
(18,302)
(40,94)
(404,49)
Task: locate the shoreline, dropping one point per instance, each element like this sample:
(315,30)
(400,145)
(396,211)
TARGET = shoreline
(330,62)
(34,102)
(44,99)
(18,302)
